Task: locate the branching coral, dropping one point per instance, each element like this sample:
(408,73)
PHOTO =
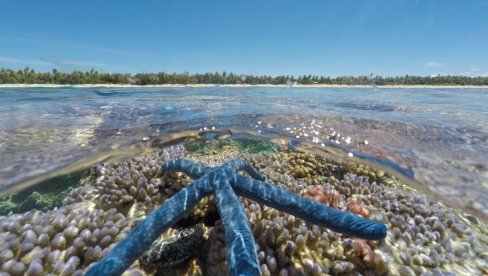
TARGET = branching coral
(61,241)
(357,207)
(365,250)
(424,236)
(137,180)
(224,182)
(323,195)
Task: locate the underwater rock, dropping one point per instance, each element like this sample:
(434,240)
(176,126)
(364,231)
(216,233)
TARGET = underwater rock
(174,250)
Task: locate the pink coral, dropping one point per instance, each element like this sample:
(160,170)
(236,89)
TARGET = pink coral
(323,195)
(365,250)
(358,208)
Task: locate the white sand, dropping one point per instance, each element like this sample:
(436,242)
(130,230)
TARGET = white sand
(234,85)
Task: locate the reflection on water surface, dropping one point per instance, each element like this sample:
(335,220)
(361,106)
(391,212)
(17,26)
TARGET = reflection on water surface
(44,130)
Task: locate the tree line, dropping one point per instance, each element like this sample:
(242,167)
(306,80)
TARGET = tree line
(29,76)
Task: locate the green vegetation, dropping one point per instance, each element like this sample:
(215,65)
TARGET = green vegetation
(29,76)
(44,196)
(242,145)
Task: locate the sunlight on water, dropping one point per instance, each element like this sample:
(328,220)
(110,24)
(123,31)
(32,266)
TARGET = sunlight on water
(425,158)
(41,132)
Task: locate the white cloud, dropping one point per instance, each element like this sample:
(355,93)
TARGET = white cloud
(63,64)
(474,74)
(80,63)
(473,71)
(483,3)
(50,63)
(40,40)
(140,54)
(24,61)
(434,64)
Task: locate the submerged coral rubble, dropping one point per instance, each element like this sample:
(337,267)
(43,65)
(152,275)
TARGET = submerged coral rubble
(425,237)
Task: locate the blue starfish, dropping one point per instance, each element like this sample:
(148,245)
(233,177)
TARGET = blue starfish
(225,184)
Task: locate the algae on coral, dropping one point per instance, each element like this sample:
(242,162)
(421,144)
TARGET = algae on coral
(44,196)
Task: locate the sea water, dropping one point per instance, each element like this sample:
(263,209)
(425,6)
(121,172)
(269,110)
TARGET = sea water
(438,136)
(80,167)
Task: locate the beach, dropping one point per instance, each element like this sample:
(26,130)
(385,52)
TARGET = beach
(239,85)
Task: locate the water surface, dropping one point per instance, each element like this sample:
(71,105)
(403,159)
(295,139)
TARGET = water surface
(438,137)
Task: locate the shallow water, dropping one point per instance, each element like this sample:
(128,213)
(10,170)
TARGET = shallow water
(438,137)
(377,150)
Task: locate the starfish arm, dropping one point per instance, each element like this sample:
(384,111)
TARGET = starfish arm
(241,165)
(309,210)
(185,166)
(143,235)
(241,251)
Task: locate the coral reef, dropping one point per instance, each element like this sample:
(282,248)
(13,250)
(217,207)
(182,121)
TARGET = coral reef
(303,165)
(229,147)
(413,245)
(365,250)
(222,182)
(425,237)
(324,195)
(62,241)
(138,180)
(216,153)
(357,207)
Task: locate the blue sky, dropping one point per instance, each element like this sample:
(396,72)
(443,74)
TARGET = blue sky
(387,37)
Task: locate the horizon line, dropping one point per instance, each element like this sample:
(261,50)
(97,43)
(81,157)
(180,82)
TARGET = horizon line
(371,75)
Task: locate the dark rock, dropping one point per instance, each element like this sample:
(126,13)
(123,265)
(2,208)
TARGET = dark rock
(174,250)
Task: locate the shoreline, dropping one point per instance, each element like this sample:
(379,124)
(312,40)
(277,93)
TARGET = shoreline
(237,86)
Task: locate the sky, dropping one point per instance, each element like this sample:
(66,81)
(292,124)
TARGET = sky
(272,37)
